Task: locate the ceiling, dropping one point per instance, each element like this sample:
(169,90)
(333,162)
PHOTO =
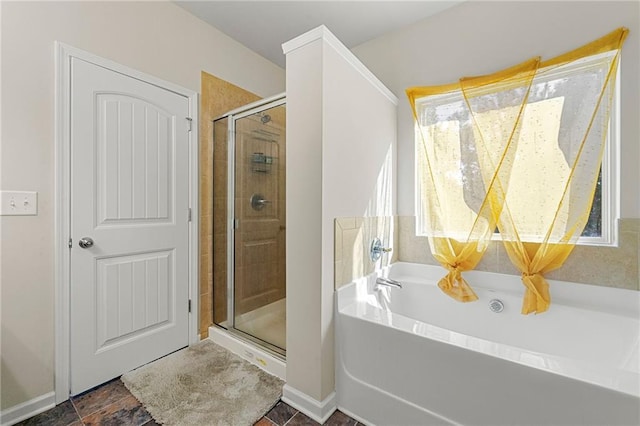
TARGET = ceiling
(264,25)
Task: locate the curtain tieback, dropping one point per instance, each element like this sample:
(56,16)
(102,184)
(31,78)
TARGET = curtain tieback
(536,296)
(455,271)
(455,286)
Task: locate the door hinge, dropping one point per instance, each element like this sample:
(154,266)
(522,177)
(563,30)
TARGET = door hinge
(189,305)
(70,242)
(190,121)
(236,223)
(189,214)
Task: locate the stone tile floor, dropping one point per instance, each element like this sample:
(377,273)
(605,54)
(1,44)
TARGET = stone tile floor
(108,404)
(283,414)
(113,404)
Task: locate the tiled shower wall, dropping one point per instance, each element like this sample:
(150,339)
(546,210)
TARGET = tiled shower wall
(604,266)
(218,97)
(353,237)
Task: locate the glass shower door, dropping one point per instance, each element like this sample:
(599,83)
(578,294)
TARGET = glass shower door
(259,226)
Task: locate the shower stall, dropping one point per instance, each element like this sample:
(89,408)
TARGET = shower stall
(249,290)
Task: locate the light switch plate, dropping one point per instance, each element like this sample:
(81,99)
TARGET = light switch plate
(18,203)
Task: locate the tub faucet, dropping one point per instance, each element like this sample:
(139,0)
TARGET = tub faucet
(377,250)
(387,282)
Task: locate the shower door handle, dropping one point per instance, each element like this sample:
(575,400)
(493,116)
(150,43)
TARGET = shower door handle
(258,202)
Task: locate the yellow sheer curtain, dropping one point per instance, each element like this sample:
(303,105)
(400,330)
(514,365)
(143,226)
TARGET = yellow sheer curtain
(554,174)
(520,149)
(460,205)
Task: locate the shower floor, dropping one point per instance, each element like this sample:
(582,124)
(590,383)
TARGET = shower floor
(267,323)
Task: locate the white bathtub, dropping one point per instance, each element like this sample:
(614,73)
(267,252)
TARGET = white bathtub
(414,356)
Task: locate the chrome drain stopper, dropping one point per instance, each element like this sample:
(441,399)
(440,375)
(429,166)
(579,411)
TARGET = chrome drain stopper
(496,306)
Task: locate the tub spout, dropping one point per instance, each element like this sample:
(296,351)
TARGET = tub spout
(387,282)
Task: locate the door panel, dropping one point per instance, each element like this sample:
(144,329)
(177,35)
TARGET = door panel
(134,296)
(133,179)
(129,193)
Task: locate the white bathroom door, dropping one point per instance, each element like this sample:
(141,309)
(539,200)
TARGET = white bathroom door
(129,223)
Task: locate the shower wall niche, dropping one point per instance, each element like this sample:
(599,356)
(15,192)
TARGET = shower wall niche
(251,302)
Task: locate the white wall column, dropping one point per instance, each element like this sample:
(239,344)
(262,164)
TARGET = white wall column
(341,133)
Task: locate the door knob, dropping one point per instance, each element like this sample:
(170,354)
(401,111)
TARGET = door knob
(85,242)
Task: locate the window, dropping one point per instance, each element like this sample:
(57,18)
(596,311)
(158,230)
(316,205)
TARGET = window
(547,124)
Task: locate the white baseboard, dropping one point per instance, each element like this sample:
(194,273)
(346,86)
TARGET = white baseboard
(318,411)
(27,409)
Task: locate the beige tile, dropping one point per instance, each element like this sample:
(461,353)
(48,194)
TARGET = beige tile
(205,265)
(505,266)
(353,254)
(206,282)
(220,244)
(353,238)
(337,273)
(413,248)
(218,97)
(220,188)
(396,240)
(405,229)
(346,274)
(205,312)
(338,248)
(206,173)
(489,261)
(629,225)
(605,266)
(368,231)
(210,279)
(219,224)
(205,245)
(219,273)
(346,222)
(220,154)
(220,207)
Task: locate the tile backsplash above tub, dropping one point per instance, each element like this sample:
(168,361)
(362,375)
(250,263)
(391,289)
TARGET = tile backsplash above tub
(353,237)
(605,266)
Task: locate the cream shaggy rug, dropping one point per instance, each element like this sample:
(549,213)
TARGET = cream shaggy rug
(204,385)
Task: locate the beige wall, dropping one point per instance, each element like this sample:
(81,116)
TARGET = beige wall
(158,38)
(478,37)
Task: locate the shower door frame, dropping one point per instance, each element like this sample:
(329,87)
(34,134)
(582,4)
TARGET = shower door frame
(242,112)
